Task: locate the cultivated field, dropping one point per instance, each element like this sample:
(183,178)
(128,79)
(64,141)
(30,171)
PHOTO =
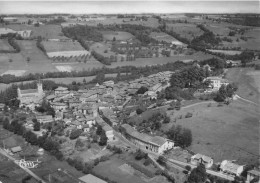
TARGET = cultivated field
(188,31)
(161,36)
(4,45)
(228,132)
(119,36)
(14,72)
(45,31)
(55,46)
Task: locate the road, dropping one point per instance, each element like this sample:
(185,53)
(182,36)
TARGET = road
(241,98)
(4,153)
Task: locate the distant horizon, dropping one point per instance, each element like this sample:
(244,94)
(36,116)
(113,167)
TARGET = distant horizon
(129,7)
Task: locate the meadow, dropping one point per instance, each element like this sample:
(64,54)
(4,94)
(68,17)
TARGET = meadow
(38,62)
(222,132)
(247,80)
(119,36)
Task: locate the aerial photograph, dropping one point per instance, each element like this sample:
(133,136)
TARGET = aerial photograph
(130,91)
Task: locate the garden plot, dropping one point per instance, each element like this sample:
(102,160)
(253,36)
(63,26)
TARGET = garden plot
(161,36)
(68,53)
(15,72)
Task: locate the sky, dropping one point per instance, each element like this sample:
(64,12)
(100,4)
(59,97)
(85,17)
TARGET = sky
(112,7)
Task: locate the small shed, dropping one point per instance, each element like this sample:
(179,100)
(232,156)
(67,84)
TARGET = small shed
(16,149)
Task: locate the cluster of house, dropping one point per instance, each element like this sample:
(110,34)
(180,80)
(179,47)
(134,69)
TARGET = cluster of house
(226,166)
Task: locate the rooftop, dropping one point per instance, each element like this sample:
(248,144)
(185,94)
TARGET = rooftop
(29,91)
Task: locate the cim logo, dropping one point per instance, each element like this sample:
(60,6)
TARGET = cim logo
(27,164)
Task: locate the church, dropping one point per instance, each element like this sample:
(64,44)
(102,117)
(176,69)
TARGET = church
(30,97)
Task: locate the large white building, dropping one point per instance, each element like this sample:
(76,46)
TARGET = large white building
(229,167)
(154,144)
(216,82)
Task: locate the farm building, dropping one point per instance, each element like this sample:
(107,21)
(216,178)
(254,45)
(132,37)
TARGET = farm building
(199,158)
(30,97)
(231,168)
(91,179)
(154,144)
(253,175)
(25,33)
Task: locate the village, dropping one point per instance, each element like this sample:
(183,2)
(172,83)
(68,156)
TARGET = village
(80,115)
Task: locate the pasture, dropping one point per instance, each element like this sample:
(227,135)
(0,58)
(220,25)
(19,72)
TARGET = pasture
(188,31)
(37,63)
(119,36)
(45,31)
(4,45)
(228,132)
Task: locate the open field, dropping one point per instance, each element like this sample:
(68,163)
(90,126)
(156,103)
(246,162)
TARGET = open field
(188,31)
(38,63)
(4,45)
(103,49)
(228,132)
(45,31)
(161,36)
(119,36)
(53,46)
(247,80)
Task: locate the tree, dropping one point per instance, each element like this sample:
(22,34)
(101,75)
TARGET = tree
(114,39)
(162,160)
(99,130)
(10,60)
(139,111)
(75,134)
(84,81)
(166,119)
(103,139)
(142,90)
(37,126)
(28,59)
(198,175)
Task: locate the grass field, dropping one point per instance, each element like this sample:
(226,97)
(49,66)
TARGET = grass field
(247,80)
(4,45)
(120,36)
(45,31)
(228,132)
(53,46)
(188,31)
